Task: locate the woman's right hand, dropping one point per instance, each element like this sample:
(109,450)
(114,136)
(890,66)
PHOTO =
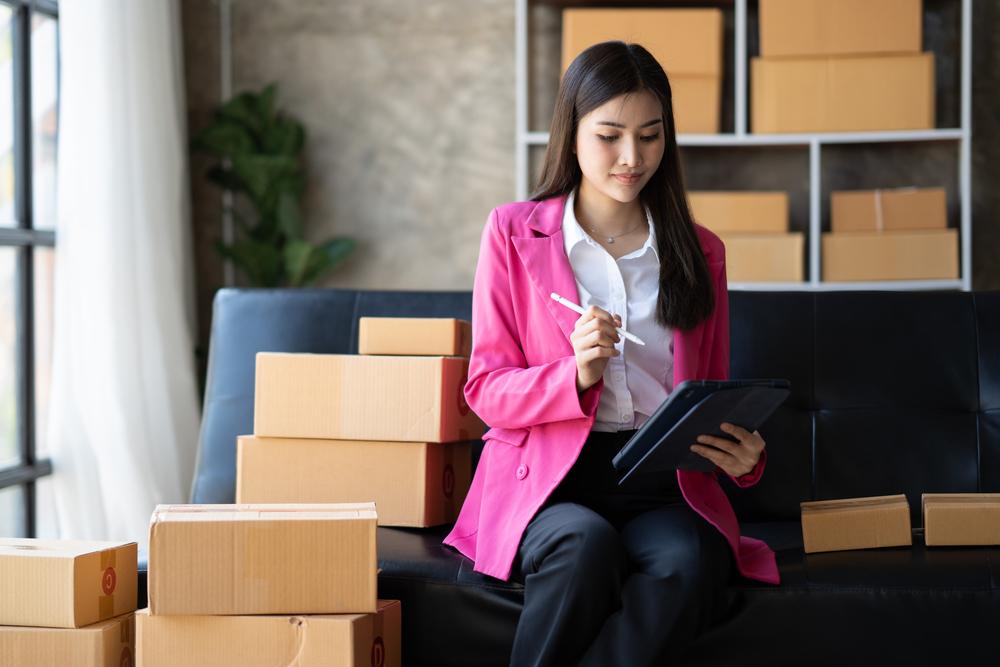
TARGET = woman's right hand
(594,339)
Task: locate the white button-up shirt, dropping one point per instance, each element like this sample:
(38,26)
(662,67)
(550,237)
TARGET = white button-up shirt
(641,377)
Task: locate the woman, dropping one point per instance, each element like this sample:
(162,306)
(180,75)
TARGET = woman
(611,576)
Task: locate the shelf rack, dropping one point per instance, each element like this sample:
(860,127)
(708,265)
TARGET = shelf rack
(525,139)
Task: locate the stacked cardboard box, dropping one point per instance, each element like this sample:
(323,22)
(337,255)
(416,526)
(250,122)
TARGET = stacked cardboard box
(686,42)
(268,584)
(850,65)
(389,424)
(754,228)
(894,234)
(67,602)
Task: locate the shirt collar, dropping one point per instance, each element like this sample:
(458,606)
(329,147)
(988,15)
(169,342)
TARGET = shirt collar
(573,233)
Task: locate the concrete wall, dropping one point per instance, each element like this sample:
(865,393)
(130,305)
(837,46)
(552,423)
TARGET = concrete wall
(409,112)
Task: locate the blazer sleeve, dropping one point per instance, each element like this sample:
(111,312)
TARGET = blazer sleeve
(501,388)
(719,365)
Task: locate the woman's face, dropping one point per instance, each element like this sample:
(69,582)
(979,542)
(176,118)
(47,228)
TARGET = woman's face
(623,136)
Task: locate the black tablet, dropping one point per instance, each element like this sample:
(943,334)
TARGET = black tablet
(697,407)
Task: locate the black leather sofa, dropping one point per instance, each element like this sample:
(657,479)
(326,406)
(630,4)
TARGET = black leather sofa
(893,392)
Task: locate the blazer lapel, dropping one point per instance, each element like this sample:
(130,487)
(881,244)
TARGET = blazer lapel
(545,261)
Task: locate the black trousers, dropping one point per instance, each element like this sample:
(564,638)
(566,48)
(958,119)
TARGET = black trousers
(616,576)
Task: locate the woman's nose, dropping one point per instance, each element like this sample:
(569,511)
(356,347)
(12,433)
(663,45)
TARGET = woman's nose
(630,155)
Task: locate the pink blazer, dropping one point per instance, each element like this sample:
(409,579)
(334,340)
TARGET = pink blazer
(522,382)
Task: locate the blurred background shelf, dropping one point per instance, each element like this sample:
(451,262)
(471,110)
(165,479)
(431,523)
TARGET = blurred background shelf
(740,46)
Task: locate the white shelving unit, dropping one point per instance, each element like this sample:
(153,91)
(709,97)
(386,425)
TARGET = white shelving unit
(814,141)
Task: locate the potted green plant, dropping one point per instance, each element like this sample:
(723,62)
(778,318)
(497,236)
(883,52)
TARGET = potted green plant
(260,149)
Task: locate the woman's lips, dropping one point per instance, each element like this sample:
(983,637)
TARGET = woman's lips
(626,179)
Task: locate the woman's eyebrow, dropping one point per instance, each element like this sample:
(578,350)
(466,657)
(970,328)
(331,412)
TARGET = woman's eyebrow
(613,124)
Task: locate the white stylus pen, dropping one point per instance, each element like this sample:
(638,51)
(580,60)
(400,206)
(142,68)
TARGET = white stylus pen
(572,306)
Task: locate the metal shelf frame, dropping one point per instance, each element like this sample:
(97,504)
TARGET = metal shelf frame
(814,142)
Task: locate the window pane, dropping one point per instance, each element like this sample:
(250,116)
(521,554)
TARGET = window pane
(6,119)
(44,258)
(44,119)
(12,512)
(9,453)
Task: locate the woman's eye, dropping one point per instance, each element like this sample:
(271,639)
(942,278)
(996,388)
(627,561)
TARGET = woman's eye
(647,139)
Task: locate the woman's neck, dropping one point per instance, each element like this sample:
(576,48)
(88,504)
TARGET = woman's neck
(605,215)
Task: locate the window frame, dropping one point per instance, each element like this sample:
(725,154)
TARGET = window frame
(24,238)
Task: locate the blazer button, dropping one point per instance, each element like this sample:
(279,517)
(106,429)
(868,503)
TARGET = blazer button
(522,471)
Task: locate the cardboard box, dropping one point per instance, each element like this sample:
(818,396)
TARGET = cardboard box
(415,484)
(357,397)
(434,336)
(842,27)
(65,583)
(697,103)
(359,640)
(686,42)
(963,519)
(107,643)
(842,94)
(925,254)
(764,257)
(262,559)
(855,523)
(888,209)
(740,212)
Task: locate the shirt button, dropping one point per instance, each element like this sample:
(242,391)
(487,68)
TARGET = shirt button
(522,471)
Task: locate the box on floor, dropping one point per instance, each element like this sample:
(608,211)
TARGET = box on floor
(107,643)
(65,583)
(356,640)
(263,559)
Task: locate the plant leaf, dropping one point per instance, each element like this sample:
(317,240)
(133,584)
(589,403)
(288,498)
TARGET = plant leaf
(327,256)
(289,220)
(260,172)
(243,109)
(298,257)
(223,138)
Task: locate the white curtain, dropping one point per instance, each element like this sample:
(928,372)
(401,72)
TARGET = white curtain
(123,418)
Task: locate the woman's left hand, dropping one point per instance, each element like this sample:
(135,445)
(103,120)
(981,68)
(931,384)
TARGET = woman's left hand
(736,458)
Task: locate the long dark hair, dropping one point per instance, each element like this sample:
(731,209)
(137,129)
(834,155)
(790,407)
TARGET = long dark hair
(601,73)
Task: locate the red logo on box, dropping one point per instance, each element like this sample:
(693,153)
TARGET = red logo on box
(448,481)
(378,653)
(108,581)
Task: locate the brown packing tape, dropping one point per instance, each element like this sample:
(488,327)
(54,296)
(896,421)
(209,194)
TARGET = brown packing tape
(109,583)
(879,220)
(377,650)
(463,343)
(126,636)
